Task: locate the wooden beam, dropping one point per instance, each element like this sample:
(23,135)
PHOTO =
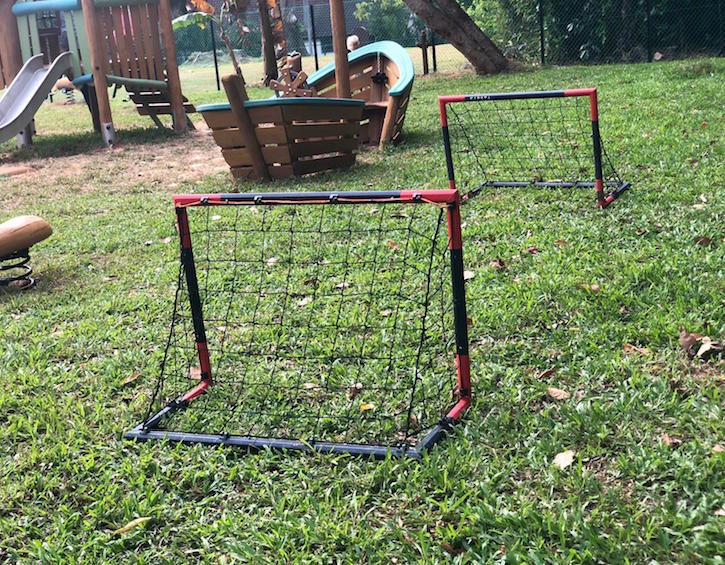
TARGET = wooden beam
(339,45)
(172,66)
(270,57)
(12,59)
(237,94)
(99,63)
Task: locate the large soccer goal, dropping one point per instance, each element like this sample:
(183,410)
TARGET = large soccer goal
(316,321)
(542,139)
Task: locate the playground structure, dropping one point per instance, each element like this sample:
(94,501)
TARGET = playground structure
(317,124)
(127,43)
(26,94)
(381,74)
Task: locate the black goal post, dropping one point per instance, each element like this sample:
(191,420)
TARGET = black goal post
(333,322)
(544,139)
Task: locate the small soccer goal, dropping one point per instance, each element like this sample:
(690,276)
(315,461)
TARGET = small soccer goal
(543,139)
(333,322)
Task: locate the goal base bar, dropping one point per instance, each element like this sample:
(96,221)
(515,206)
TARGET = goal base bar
(252,444)
(616,192)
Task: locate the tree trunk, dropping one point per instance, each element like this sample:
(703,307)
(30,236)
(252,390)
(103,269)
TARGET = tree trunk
(450,21)
(270,60)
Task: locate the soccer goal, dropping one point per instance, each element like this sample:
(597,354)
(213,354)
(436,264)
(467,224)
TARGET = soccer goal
(521,139)
(315,321)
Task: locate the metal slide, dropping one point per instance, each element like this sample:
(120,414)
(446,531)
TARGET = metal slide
(24,96)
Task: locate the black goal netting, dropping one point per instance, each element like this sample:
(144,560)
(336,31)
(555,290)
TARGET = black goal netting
(324,324)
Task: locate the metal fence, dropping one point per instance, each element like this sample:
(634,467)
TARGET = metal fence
(576,31)
(535,31)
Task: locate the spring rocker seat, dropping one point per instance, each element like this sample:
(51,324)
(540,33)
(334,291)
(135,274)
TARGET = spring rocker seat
(17,236)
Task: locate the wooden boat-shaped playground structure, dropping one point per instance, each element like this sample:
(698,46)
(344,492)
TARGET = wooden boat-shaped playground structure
(360,98)
(282,137)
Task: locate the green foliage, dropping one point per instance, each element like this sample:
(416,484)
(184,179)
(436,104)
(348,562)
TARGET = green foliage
(389,19)
(589,30)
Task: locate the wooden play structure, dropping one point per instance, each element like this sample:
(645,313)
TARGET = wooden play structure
(128,43)
(317,123)
(17,236)
(281,137)
(381,74)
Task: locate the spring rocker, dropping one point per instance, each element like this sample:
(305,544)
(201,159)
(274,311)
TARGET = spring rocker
(17,236)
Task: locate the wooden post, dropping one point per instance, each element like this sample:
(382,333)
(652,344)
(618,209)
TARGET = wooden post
(99,64)
(10,55)
(237,94)
(172,66)
(389,124)
(339,46)
(270,57)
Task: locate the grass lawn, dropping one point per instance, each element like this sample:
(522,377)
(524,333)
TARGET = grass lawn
(596,312)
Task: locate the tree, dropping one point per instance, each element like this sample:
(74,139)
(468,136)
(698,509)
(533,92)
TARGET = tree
(450,21)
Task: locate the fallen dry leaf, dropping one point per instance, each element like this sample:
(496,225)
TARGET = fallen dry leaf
(703,240)
(166,240)
(634,349)
(657,56)
(271,261)
(385,313)
(561,242)
(131,525)
(132,377)
(468,275)
(688,340)
(564,459)
(367,406)
(670,441)
(594,287)
(497,265)
(717,448)
(708,348)
(304,301)
(448,548)
(310,386)
(392,245)
(354,390)
(720,511)
(545,374)
(557,393)
(703,199)
(195,373)
(532,250)
(109,278)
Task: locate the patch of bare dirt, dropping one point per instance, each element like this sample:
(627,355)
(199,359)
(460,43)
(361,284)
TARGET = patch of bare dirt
(167,165)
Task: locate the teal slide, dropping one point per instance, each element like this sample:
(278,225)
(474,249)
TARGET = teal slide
(24,96)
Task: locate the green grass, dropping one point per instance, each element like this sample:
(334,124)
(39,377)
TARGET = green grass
(490,493)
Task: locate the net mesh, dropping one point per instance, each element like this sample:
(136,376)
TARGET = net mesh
(524,142)
(323,322)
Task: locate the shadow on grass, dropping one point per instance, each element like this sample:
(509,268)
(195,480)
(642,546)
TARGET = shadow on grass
(65,145)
